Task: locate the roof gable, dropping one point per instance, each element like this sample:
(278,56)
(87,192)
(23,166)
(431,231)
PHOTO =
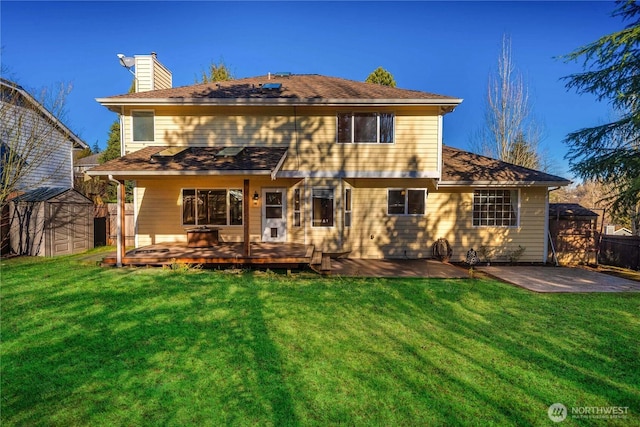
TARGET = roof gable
(15,94)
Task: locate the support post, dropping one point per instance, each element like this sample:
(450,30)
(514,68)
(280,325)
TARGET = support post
(245,220)
(122,232)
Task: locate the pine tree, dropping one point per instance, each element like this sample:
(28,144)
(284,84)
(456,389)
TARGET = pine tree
(382,77)
(610,153)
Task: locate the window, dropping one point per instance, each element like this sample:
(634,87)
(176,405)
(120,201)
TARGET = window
(365,127)
(347,207)
(143,128)
(211,207)
(296,207)
(495,208)
(406,202)
(322,207)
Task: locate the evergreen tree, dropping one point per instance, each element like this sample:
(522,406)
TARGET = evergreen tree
(113,144)
(382,77)
(216,73)
(610,153)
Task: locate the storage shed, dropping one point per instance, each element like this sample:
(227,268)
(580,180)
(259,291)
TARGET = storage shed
(51,221)
(573,233)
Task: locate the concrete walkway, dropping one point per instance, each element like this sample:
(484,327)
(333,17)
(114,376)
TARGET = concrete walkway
(395,268)
(560,279)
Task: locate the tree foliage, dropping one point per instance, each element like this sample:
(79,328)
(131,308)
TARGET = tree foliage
(25,137)
(382,77)
(216,73)
(610,152)
(113,143)
(510,132)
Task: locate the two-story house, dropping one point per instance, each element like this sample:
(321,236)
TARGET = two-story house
(41,213)
(349,167)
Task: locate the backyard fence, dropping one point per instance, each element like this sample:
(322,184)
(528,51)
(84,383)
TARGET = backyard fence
(621,251)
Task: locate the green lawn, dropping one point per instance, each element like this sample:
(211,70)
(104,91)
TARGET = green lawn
(84,345)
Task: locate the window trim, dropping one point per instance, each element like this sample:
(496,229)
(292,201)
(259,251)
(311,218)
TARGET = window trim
(227,201)
(518,207)
(406,201)
(153,112)
(297,199)
(333,208)
(353,130)
(348,207)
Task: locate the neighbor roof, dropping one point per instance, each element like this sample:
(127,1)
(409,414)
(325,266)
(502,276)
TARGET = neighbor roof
(296,89)
(464,168)
(194,161)
(569,210)
(9,89)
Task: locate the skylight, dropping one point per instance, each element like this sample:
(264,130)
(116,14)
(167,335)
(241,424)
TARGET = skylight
(229,151)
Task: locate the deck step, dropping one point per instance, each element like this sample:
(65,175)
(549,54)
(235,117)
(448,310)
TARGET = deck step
(325,266)
(316,259)
(309,252)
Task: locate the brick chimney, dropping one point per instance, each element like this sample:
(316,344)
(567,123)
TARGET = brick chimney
(151,74)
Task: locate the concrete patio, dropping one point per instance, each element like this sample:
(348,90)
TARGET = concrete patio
(560,279)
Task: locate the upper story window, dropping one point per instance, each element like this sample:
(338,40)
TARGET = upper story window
(404,201)
(143,126)
(366,127)
(495,208)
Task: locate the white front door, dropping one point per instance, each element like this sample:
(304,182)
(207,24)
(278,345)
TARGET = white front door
(274,214)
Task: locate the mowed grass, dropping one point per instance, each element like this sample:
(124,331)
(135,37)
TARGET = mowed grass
(83,345)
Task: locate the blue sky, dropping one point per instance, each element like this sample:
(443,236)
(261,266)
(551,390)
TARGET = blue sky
(442,47)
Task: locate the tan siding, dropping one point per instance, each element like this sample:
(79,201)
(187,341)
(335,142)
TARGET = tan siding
(310,134)
(159,208)
(448,214)
(161,76)
(144,73)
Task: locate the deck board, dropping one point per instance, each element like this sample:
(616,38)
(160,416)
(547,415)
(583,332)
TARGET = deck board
(263,254)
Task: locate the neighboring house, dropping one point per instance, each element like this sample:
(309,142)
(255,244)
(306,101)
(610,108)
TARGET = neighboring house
(612,231)
(37,159)
(349,167)
(80,166)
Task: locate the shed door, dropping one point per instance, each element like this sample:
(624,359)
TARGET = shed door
(69,228)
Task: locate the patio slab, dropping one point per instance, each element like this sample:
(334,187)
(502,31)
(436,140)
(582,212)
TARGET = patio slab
(347,267)
(560,279)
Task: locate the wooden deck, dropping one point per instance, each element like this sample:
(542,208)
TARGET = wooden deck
(263,254)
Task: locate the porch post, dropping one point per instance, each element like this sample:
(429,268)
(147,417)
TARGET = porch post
(121,232)
(245,220)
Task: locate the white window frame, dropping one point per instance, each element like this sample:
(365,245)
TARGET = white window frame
(297,194)
(518,207)
(333,208)
(227,202)
(348,207)
(353,128)
(133,125)
(406,201)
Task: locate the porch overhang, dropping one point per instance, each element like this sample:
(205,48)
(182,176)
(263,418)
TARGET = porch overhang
(194,161)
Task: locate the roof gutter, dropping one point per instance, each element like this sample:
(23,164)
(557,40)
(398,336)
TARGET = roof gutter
(503,183)
(114,104)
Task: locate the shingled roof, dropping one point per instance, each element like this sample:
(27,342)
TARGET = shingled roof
(294,89)
(194,160)
(464,168)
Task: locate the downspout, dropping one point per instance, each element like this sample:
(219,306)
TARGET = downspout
(547,233)
(119,242)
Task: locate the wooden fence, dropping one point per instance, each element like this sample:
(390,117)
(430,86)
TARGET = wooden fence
(621,251)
